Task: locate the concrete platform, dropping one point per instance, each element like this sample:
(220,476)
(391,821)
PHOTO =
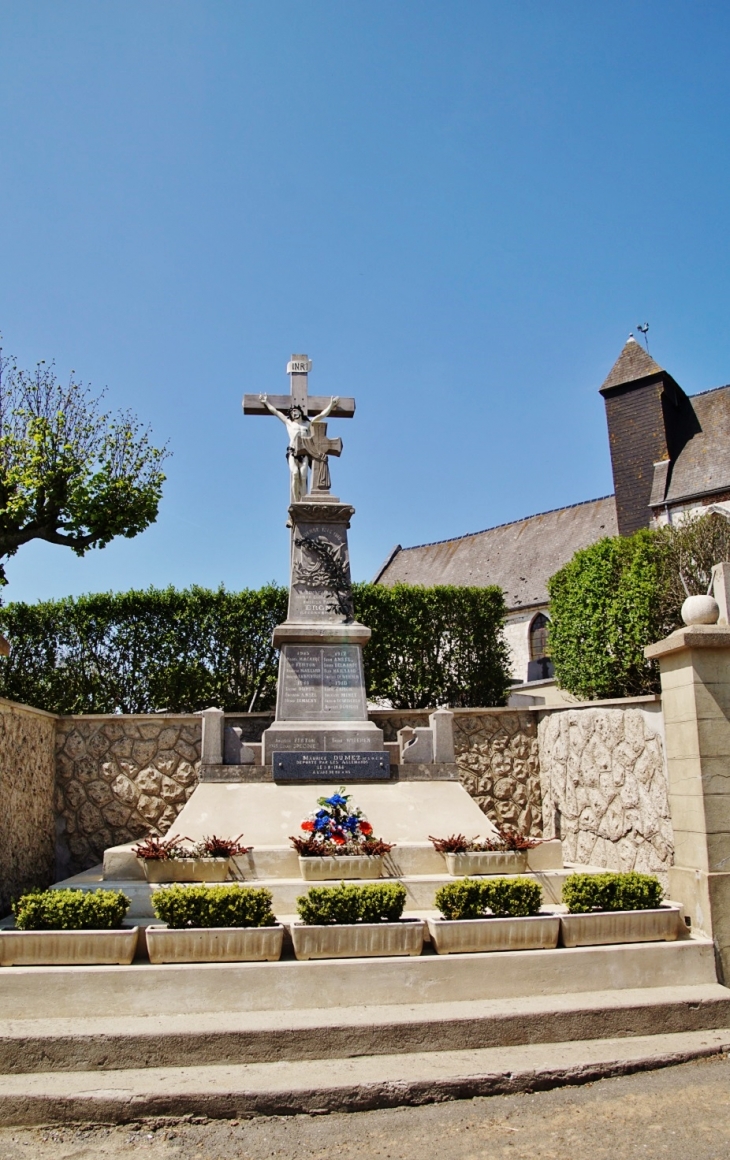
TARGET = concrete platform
(290,1087)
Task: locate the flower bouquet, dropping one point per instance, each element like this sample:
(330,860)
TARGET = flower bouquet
(338,842)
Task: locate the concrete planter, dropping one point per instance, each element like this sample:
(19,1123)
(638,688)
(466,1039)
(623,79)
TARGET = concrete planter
(186,869)
(487,862)
(334,869)
(358,941)
(470,936)
(63,948)
(217,944)
(620,926)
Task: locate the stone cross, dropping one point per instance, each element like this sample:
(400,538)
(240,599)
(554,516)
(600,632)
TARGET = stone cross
(298,370)
(318,447)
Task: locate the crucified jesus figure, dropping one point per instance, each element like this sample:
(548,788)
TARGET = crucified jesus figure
(298,428)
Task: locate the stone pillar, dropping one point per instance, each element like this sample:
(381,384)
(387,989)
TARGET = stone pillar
(695,673)
(442,724)
(212,739)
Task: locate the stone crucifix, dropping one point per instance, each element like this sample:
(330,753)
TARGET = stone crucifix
(302,415)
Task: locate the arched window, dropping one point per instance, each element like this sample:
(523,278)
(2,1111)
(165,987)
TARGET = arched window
(540,667)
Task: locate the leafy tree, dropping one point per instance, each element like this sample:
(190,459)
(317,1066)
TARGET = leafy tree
(617,596)
(70,473)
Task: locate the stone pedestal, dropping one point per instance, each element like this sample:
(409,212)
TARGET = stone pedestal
(695,673)
(321,705)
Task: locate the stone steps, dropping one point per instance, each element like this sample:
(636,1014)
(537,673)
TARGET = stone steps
(145,990)
(287,1087)
(116,1043)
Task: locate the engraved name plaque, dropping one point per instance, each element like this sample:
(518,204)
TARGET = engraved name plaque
(339,767)
(321,683)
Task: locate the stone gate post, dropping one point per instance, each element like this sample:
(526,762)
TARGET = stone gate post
(695,674)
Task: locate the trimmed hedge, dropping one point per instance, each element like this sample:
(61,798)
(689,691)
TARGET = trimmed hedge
(617,596)
(348,903)
(71,910)
(631,891)
(434,646)
(469,898)
(181,651)
(206,906)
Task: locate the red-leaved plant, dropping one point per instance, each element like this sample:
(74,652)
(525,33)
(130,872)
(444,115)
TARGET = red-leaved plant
(508,840)
(311,847)
(156,849)
(215,847)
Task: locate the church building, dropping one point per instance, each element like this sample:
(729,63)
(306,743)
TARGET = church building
(670,457)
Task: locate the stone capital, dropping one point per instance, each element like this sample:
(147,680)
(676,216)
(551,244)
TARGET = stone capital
(694,636)
(321,512)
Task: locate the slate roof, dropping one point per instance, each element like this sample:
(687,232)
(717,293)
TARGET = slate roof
(632,364)
(520,557)
(703,465)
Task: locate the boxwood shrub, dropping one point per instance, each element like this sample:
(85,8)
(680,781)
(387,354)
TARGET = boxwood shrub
(504,897)
(71,910)
(229,905)
(631,891)
(348,903)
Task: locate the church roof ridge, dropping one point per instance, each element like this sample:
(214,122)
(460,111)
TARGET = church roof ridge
(709,391)
(508,523)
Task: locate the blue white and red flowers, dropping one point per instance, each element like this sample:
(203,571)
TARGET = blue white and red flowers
(337,827)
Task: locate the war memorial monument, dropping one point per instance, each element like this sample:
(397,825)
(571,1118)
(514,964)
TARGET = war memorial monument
(321,738)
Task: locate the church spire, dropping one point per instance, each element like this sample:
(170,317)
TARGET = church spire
(632,364)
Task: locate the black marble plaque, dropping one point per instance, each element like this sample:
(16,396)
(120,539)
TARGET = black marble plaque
(341,767)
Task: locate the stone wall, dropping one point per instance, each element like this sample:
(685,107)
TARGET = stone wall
(595,774)
(118,778)
(604,785)
(26,800)
(497,753)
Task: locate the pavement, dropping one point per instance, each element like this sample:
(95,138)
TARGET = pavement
(681,1111)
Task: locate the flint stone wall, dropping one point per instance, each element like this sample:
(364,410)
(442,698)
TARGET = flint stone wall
(605,788)
(118,778)
(27,778)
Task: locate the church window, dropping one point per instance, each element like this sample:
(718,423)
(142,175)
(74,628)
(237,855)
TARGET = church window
(539,637)
(540,667)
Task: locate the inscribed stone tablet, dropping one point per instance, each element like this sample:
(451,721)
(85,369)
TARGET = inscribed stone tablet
(321,683)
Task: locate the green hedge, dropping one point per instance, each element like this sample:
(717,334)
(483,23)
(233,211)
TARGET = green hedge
(469,898)
(632,891)
(181,651)
(431,646)
(71,910)
(206,906)
(348,903)
(622,593)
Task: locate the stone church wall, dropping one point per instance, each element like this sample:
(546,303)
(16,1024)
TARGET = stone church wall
(27,818)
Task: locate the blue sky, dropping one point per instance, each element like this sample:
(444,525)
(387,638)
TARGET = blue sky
(458,209)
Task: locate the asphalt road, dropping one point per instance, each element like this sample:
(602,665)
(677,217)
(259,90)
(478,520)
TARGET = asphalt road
(682,1113)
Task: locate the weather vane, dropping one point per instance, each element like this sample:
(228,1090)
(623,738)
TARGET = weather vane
(644,330)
